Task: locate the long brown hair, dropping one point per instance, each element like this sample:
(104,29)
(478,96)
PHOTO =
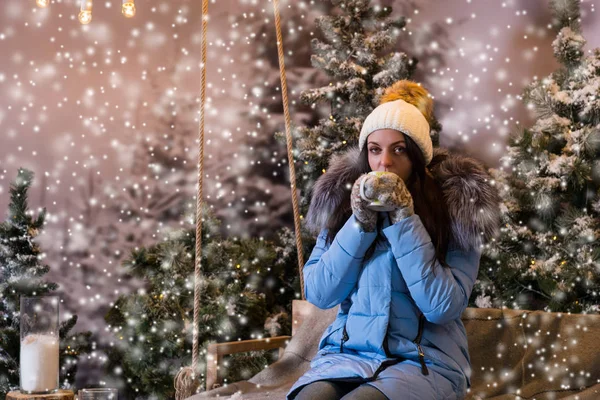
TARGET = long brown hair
(427,197)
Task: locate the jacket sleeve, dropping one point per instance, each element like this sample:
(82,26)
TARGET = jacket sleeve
(332,270)
(442,294)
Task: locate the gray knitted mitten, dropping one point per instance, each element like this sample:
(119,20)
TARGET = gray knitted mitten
(366,218)
(391,190)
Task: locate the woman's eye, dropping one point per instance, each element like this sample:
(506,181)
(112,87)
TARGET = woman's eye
(376,150)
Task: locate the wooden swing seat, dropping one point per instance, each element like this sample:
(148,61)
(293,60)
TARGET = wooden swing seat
(506,348)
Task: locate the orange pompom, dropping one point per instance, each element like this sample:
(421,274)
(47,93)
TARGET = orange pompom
(412,93)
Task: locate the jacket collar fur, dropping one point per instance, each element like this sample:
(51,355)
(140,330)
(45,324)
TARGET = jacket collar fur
(472,200)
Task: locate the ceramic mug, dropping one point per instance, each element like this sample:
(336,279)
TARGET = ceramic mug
(375,204)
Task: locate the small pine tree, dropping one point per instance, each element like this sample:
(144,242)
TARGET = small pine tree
(22,274)
(266,196)
(547,256)
(242,288)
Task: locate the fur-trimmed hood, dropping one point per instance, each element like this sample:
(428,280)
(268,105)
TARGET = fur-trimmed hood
(473,202)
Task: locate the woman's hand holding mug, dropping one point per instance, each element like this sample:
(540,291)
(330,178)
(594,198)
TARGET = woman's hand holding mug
(366,217)
(386,192)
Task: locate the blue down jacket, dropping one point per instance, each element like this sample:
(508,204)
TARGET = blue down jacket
(399,305)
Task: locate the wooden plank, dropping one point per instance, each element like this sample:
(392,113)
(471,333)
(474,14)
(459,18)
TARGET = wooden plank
(216,351)
(212,366)
(60,395)
(244,346)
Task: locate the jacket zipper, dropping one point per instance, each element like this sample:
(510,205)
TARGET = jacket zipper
(417,341)
(345,338)
(384,365)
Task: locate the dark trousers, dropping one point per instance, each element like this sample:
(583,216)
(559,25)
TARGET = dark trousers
(327,390)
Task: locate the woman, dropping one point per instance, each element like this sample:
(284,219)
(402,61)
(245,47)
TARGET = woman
(401,278)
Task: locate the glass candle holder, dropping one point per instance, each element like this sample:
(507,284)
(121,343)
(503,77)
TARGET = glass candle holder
(98,394)
(39,345)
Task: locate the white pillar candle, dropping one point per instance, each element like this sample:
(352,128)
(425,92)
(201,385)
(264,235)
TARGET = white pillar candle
(39,363)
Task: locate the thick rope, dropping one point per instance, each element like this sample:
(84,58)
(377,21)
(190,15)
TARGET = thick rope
(186,381)
(288,136)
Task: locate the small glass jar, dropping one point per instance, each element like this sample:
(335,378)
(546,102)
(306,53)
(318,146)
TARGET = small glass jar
(39,344)
(98,394)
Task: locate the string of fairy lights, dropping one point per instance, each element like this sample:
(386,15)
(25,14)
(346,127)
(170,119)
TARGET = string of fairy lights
(85,11)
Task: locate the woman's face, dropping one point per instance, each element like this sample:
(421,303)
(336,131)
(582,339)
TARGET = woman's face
(387,152)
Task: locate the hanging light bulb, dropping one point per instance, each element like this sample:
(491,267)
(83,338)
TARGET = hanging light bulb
(128,8)
(85,13)
(42,3)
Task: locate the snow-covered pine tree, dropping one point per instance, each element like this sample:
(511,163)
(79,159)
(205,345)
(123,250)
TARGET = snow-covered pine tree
(140,207)
(242,291)
(22,273)
(261,176)
(359,52)
(547,256)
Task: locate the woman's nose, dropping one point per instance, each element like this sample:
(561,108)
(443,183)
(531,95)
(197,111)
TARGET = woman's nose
(386,159)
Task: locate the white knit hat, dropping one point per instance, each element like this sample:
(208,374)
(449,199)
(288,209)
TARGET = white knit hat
(401,116)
